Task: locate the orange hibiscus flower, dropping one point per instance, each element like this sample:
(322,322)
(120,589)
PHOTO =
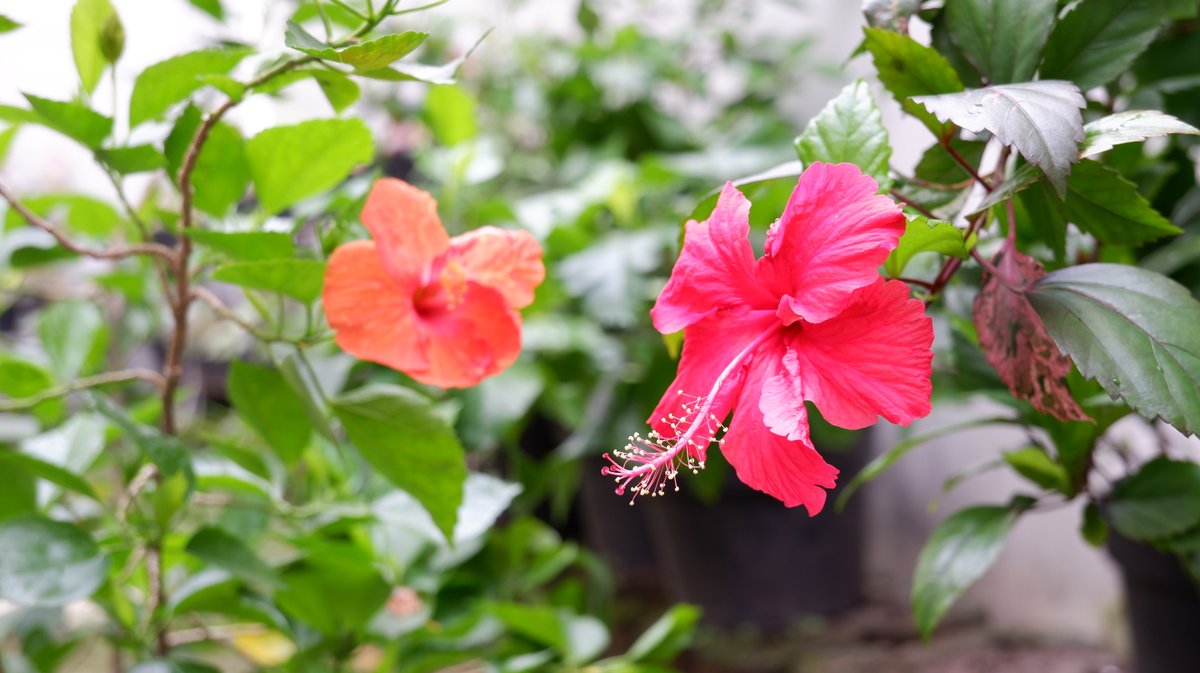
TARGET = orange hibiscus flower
(442,310)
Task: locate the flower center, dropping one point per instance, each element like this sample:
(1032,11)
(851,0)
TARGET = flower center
(650,462)
(445,293)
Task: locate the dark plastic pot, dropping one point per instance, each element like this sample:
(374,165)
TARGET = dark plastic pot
(1163,606)
(617,532)
(747,559)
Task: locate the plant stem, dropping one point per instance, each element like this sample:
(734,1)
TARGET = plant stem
(910,202)
(106,378)
(65,241)
(966,165)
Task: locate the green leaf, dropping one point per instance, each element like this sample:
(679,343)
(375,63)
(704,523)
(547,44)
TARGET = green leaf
(218,548)
(1041,119)
(666,637)
(19,379)
(290,163)
(72,120)
(1159,500)
(1129,127)
(263,399)
(132,159)
(1099,39)
(333,570)
(297,278)
(72,334)
(908,68)
(1035,465)
(168,82)
(22,463)
(88,19)
(450,113)
(539,623)
(1093,528)
(221,175)
(339,90)
(7,24)
(1132,330)
(6,138)
(366,56)
(247,245)
(19,495)
(1101,202)
(1002,39)
(957,554)
(420,72)
(923,235)
(882,462)
(849,128)
(307,390)
(211,7)
(398,433)
(46,563)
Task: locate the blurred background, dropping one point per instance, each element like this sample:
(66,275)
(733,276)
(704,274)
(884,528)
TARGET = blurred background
(600,128)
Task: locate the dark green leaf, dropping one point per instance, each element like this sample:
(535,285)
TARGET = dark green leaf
(297,278)
(923,235)
(1035,465)
(539,623)
(938,165)
(168,82)
(1099,39)
(908,68)
(399,434)
(667,636)
(263,399)
(1003,39)
(221,175)
(72,120)
(1094,528)
(247,245)
(112,38)
(217,547)
(958,553)
(334,570)
(1102,203)
(1129,127)
(849,128)
(132,159)
(1159,500)
(87,22)
(48,563)
(290,163)
(72,333)
(1132,330)
(1041,119)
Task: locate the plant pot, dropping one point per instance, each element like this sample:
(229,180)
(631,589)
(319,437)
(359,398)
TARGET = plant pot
(617,532)
(1163,607)
(747,559)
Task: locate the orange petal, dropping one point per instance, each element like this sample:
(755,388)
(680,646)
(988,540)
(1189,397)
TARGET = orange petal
(370,310)
(477,338)
(506,260)
(403,220)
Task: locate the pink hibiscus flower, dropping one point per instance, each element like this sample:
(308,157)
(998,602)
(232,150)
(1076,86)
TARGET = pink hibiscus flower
(811,319)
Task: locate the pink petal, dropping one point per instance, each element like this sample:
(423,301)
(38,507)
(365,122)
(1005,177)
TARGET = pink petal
(709,346)
(871,360)
(404,222)
(791,471)
(833,235)
(715,268)
(782,400)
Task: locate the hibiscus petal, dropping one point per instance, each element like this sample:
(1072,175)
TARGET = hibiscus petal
(404,222)
(872,360)
(834,233)
(473,340)
(370,310)
(791,471)
(715,268)
(782,400)
(505,260)
(709,346)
